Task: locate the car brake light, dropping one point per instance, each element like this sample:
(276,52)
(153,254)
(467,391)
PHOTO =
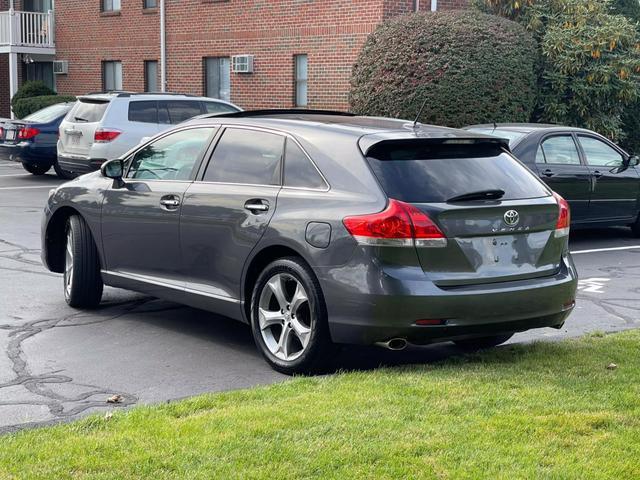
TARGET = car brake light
(25,133)
(399,225)
(1,132)
(564,217)
(103,135)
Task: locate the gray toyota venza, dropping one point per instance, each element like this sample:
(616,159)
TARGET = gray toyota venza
(322,228)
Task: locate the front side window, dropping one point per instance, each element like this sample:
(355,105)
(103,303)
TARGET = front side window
(110,5)
(246,156)
(561,150)
(176,111)
(599,154)
(301,77)
(172,157)
(217,78)
(112,75)
(299,172)
(150,76)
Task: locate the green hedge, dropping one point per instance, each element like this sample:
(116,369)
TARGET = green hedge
(26,106)
(468,66)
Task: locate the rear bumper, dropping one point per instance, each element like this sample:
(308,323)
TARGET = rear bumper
(28,152)
(366,312)
(79,164)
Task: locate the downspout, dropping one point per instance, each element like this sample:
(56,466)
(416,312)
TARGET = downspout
(416,5)
(163,49)
(434,5)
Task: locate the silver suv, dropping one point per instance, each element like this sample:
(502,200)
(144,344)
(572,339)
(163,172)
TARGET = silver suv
(103,126)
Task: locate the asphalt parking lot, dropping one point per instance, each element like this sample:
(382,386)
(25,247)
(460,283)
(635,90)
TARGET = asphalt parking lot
(57,363)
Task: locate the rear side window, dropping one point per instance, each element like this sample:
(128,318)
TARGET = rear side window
(246,156)
(176,111)
(424,172)
(299,172)
(561,150)
(217,107)
(87,111)
(145,112)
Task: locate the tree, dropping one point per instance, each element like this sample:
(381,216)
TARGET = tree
(468,68)
(590,69)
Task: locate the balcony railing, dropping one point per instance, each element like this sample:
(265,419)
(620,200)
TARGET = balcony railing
(27,29)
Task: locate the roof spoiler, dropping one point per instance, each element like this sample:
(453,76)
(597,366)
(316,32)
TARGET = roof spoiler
(370,142)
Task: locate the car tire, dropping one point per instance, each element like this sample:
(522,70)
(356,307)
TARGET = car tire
(62,173)
(635,227)
(289,318)
(483,343)
(82,280)
(35,169)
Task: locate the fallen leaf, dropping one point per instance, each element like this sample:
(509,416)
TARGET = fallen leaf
(114,399)
(108,415)
(612,366)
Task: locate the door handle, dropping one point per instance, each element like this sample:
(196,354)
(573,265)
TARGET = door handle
(170,202)
(547,173)
(597,174)
(256,205)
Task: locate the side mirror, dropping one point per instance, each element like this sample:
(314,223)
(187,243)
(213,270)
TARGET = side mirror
(634,160)
(114,169)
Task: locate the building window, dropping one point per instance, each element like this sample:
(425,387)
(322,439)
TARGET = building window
(301,77)
(110,5)
(111,76)
(150,76)
(150,3)
(217,78)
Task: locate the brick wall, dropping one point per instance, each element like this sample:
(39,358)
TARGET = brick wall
(330,32)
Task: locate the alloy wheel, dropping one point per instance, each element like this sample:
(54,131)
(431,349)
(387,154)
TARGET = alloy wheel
(285,317)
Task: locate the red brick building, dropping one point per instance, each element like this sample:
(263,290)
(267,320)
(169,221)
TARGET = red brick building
(302,50)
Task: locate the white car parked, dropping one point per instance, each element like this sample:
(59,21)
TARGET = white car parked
(103,126)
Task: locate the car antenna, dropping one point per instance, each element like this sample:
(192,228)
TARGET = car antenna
(415,122)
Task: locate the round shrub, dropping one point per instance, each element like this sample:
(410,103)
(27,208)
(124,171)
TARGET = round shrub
(26,106)
(31,88)
(469,67)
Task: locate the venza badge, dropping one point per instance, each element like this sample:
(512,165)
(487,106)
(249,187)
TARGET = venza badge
(511,218)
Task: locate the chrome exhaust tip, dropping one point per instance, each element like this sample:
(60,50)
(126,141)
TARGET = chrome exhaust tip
(395,344)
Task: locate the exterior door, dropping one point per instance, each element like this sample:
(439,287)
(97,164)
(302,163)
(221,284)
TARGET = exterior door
(141,220)
(559,165)
(615,190)
(225,214)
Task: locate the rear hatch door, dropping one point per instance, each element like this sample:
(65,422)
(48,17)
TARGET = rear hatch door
(79,126)
(499,219)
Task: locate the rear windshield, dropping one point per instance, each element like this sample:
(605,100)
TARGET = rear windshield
(87,111)
(422,172)
(49,114)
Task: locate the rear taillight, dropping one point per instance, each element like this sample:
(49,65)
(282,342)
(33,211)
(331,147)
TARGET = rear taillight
(103,135)
(1,132)
(399,225)
(25,133)
(564,217)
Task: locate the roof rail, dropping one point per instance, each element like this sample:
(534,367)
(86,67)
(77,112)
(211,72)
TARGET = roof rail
(124,93)
(276,111)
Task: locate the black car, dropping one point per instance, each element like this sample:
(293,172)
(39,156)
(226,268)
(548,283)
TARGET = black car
(319,228)
(32,140)
(600,180)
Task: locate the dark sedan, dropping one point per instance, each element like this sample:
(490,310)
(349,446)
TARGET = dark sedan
(600,181)
(32,140)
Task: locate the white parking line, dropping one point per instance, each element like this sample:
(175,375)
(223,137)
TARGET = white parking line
(23,188)
(17,175)
(611,249)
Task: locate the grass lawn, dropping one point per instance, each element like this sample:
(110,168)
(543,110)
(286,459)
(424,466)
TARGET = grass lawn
(548,410)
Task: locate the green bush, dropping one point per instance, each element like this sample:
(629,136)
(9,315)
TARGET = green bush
(26,106)
(32,88)
(591,60)
(468,67)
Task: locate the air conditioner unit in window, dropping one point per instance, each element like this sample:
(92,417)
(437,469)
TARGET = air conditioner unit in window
(242,64)
(60,67)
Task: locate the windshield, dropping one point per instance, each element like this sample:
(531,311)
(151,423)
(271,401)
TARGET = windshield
(417,172)
(510,135)
(49,114)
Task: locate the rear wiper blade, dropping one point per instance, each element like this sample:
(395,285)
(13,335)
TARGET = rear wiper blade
(481,195)
(80,119)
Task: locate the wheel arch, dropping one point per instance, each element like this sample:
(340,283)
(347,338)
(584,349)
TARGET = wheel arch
(55,237)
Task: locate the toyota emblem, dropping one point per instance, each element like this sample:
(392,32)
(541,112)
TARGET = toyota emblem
(511,218)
